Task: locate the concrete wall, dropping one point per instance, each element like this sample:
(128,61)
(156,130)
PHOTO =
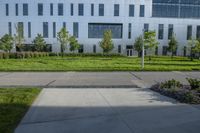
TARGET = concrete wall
(180,25)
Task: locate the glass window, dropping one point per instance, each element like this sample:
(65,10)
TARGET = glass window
(146,27)
(131,10)
(16,9)
(80,9)
(40,9)
(21,28)
(75,29)
(184,51)
(92,9)
(164,50)
(170,31)
(116,10)
(142,10)
(60,9)
(94,48)
(119,49)
(10,28)
(7,10)
(189,32)
(51,9)
(81,49)
(101,9)
(156,50)
(198,32)
(45,30)
(25,9)
(64,24)
(96,30)
(176,8)
(129,30)
(72,9)
(160,31)
(54,29)
(29,29)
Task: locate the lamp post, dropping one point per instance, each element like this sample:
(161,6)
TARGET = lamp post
(142,60)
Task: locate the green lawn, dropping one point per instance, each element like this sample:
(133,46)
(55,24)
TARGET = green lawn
(13,105)
(98,64)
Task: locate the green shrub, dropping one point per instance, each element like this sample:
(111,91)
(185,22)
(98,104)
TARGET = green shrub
(189,97)
(171,84)
(194,83)
(87,54)
(1,55)
(5,55)
(12,55)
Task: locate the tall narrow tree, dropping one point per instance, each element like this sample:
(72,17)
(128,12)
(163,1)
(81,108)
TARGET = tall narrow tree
(150,41)
(138,45)
(19,37)
(172,45)
(74,45)
(63,38)
(39,43)
(191,46)
(107,44)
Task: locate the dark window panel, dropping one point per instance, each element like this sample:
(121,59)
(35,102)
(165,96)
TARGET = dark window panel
(96,30)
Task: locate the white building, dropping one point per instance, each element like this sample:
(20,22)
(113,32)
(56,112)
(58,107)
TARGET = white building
(86,20)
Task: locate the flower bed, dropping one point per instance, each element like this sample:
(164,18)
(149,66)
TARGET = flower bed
(183,93)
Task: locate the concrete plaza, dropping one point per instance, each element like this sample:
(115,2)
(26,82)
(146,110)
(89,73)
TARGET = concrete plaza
(108,110)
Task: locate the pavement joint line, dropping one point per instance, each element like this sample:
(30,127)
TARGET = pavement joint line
(135,76)
(117,113)
(50,82)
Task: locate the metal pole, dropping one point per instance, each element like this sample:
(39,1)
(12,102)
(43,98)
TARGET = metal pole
(142,62)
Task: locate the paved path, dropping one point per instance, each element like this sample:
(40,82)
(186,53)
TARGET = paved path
(113,110)
(90,79)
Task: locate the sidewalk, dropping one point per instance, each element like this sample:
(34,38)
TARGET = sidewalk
(90,79)
(102,110)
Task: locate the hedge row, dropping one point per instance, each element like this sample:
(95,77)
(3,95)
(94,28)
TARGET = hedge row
(22,55)
(86,54)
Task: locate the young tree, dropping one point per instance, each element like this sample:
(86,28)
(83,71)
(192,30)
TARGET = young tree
(192,43)
(63,38)
(39,43)
(74,45)
(197,47)
(173,45)
(150,41)
(19,37)
(107,44)
(138,45)
(6,43)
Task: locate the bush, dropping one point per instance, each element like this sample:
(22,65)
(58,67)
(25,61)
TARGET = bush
(171,84)
(22,55)
(5,55)
(87,54)
(194,83)
(189,97)
(1,55)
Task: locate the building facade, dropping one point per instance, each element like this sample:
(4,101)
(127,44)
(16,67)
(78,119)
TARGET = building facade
(87,19)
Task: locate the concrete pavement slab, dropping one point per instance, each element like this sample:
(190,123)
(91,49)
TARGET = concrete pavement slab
(102,110)
(68,79)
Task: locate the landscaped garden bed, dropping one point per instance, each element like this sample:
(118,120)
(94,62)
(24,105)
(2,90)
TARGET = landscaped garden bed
(182,93)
